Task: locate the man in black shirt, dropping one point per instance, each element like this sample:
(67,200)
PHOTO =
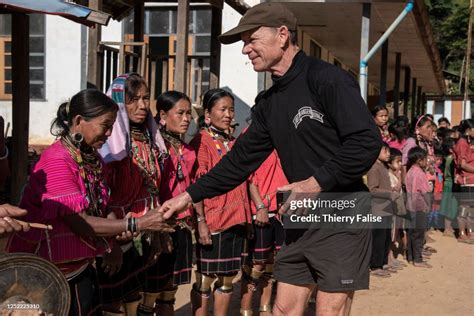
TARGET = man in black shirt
(326,139)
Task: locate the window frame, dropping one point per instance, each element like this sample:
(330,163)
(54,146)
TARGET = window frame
(8,38)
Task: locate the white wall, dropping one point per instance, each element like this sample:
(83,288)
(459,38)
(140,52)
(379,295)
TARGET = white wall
(63,73)
(112,32)
(63,51)
(237,72)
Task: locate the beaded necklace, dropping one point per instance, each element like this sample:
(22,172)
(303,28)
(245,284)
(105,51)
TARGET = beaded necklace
(219,136)
(176,142)
(147,163)
(90,170)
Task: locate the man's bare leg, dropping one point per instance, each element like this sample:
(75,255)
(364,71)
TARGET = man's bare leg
(291,299)
(334,304)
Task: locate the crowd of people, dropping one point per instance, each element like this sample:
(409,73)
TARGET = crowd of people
(423,179)
(124,193)
(99,186)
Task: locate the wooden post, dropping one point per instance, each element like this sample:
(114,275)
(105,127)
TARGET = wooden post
(423,103)
(153,80)
(144,61)
(406,91)
(413,98)
(108,69)
(419,109)
(180,76)
(383,74)
(199,79)
(164,85)
(114,64)
(216,29)
(121,59)
(20,102)
(396,86)
(93,59)
(138,33)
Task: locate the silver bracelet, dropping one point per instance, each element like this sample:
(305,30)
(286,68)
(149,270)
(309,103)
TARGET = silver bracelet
(6,154)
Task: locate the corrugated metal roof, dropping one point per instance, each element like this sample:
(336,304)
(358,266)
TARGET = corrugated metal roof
(71,11)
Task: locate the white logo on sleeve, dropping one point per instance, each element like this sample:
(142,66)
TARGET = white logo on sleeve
(309,112)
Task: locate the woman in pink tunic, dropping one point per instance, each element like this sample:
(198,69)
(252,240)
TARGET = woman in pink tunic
(67,190)
(173,269)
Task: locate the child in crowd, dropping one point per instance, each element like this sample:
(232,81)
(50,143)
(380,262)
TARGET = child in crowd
(449,204)
(378,181)
(433,219)
(398,132)
(395,174)
(418,204)
(380,114)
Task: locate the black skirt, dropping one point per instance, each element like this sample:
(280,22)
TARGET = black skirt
(225,255)
(127,281)
(173,268)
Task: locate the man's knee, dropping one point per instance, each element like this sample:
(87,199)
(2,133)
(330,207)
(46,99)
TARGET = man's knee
(291,299)
(333,303)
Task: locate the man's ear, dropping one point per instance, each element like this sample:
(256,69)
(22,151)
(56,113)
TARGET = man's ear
(283,36)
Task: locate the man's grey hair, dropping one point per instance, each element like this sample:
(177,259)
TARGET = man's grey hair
(293,36)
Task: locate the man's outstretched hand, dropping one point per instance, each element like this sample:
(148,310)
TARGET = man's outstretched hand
(308,188)
(176,205)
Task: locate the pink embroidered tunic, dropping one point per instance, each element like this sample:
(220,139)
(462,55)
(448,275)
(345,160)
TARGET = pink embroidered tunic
(55,189)
(170,185)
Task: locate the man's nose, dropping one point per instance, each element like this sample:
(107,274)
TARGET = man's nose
(245,49)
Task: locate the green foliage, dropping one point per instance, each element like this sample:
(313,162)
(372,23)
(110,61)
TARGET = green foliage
(449,20)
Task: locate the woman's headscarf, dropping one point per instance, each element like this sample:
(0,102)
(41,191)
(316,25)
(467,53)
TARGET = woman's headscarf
(117,146)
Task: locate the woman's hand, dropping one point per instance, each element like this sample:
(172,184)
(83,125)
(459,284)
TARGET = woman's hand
(262,217)
(204,234)
(126,236)
(113,260)
(155,221)
(7,223)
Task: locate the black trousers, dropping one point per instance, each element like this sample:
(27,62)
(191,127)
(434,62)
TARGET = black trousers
(416,228)
(381,240)
(84,298)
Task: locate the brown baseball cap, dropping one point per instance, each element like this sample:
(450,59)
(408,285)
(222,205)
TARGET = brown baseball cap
(271,14)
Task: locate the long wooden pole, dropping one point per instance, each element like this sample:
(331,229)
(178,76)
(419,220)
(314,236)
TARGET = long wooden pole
(181,70)
(468,59)
(20,103)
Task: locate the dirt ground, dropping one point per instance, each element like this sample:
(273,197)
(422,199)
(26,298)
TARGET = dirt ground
(446,289)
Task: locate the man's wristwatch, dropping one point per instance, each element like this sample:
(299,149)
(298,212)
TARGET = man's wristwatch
(201,219)
(260,207)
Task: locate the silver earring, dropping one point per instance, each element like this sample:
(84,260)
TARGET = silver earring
(77,138)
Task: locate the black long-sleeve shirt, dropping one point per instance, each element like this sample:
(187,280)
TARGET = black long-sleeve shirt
(320,126)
